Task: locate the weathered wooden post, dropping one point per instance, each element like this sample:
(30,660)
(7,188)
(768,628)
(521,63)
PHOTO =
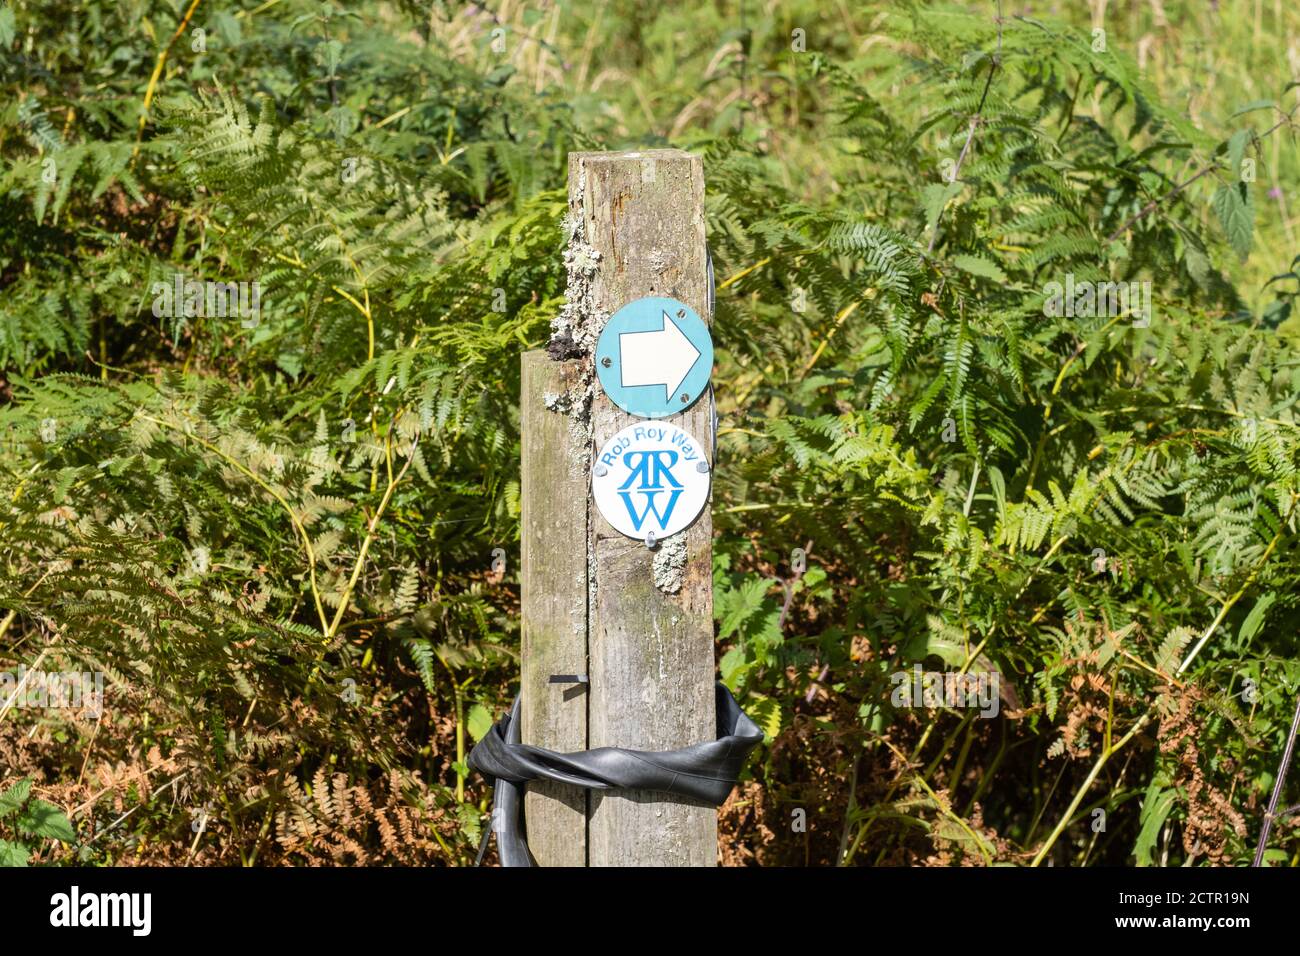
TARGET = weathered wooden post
(637,621)
(553,586)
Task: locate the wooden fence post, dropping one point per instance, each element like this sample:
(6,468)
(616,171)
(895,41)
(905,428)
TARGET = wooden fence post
(650,619)
(553,602)
(638,622)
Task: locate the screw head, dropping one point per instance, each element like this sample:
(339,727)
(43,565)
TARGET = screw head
(702,466)
(681,313)
(685,397)
(601,470)
(606,361)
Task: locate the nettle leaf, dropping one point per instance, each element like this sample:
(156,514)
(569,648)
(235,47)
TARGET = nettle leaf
(13,854)
(736,606)
(765,631)
(12,800)
(766,712)
(42,819)
(733,667)
(1237,216)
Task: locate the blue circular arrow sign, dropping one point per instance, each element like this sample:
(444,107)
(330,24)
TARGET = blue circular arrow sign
(654,357)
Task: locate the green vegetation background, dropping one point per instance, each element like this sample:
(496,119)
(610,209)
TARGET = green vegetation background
(277,539)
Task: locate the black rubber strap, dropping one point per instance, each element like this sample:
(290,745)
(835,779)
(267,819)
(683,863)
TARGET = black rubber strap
(705,771)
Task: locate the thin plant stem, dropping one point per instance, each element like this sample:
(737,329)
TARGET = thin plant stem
(1271,813)
(157,74)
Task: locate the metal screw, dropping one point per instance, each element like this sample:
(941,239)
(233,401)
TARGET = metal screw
(607,361)
(601,471)
(681,313)
(702,466)
(685,397)
(649,539)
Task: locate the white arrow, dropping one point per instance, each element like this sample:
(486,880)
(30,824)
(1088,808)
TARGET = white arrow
(661,357)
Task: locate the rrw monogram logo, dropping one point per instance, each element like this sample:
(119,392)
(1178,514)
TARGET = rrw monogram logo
(651,474)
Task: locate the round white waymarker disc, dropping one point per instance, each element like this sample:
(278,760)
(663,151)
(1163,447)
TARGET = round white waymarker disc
(650,479)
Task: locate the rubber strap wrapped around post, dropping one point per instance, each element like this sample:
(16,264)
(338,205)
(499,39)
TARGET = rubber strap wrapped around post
(705,771)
